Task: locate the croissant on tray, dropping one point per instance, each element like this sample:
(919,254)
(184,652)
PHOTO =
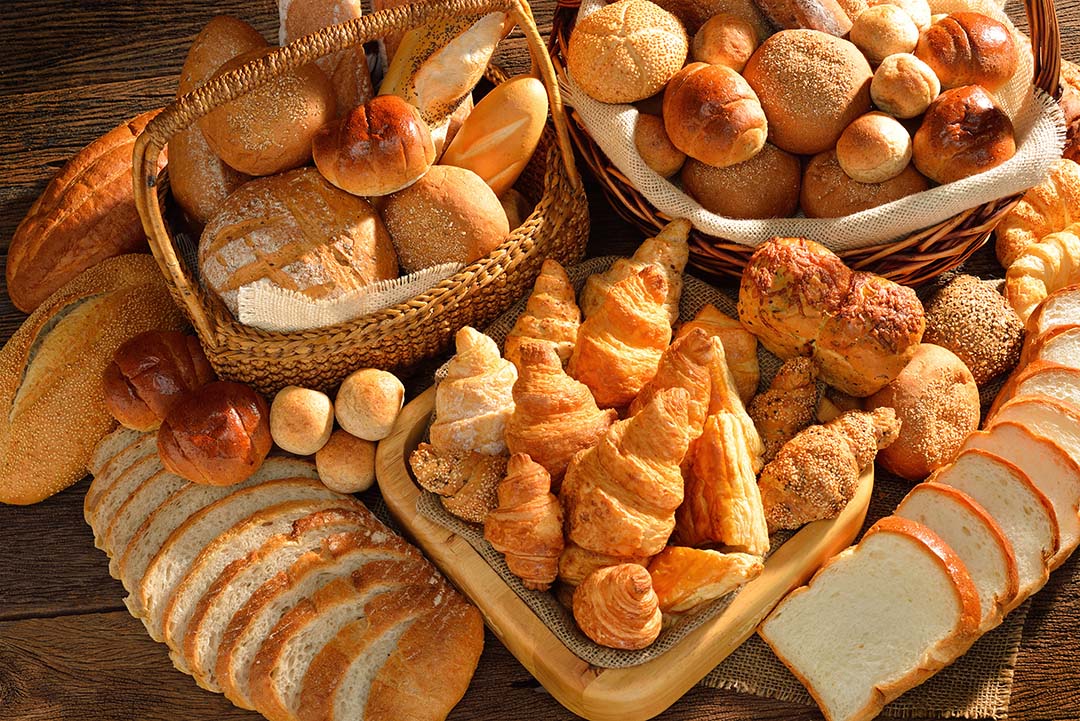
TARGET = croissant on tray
(686,364)
(576,563)
(740,346)
(617,607)
(788,406)
(527,525)
(551,314)
(685,578)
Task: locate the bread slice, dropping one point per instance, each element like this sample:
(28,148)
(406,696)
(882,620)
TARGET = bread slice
(150,494)
(1062,307)
(104,480)
(109,447)
(1059,346)
(1045,417)
(975,537)
(1051,470)
(118,493)
(1024,514)
(876,620)
(238,581)
(1041,378)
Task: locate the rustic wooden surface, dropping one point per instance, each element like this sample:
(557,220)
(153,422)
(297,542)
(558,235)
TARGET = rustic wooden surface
(69,71)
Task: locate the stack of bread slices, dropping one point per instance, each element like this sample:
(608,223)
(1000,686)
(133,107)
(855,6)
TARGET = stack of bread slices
(288,597)
(963,548)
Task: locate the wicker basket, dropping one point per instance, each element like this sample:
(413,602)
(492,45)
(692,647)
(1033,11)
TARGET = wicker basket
(400,336)
(913,260)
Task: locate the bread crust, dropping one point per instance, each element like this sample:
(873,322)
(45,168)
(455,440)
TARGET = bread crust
(1034,324)
(1034,368)
(106,478)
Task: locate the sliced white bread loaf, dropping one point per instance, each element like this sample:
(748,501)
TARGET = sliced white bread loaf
(1061,308)
(1024,514)
(1060,346)
(109,447)
(1041,378)
(114,468)
(1044,417)
(117,494)
(975,537)
(1048,467)
(876,620)
(150,494)
(239,581)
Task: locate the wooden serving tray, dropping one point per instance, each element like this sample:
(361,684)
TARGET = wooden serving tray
(599,694)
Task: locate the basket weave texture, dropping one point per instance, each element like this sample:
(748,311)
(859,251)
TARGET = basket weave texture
(400,336)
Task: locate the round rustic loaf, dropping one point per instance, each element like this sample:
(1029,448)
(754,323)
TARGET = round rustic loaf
(655,147)
(346,464)
(725,40)
(919,10)
(884,30)
(368,403)
(301,420)
(904,86)
(765,186)
(874,148)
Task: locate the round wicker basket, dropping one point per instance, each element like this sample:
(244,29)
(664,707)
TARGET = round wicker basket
(400,336)
(913,260)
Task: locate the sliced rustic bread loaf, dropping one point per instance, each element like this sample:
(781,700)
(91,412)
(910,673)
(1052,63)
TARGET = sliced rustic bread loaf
(150,494)
(975,537)
(1051,470)
(1061,308)
(1019,508)
(1060,346)
(109,447)
(876,620)
(118,493)
(1044,417)
(1041,378)
(103,482)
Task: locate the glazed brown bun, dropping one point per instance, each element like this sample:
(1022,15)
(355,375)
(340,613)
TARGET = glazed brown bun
(962,133)
(725,40)
(969,49)
(811,86)
(713,115)
(270,129)
(448,216)
(377,148)
(828,16)
(655,147)
(151,372)
(828,192)
(765,186)
(217,435)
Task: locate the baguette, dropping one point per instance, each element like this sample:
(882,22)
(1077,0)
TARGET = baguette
(51,392)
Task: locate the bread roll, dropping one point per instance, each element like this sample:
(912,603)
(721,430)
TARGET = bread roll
(918,10)
(725,40)
(811,86)
(346,69)
(765,186)
(149,373)
(884,30)
(963,133)
(368,403)
(826,16)
(968,49)
(346,463)
(217,435)
(904,86)
(874,148)
(713,115)
(298,232)
(376,149)
(626,51)
(695,13)
(269,129)
(937,403)
(655,147)
(301,420)
(828,192)
(1070,107)
(448,216)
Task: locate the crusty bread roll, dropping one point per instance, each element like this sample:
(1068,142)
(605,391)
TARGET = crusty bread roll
(919,10)
(377,148)
(827,16)
(967,49)
(695,13)
(963,133)
(298,232)
(713,115)
(765,186)
(828,192)
(626,51)
(301,420)
(937,403)
(874,148)
(904,86)
(217,435)
(884,30)
(811,86)
(655,147)
(346,463)
(269,129)
(448,216)
(725,40)
(368,403)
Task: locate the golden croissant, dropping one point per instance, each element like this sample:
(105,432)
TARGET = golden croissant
(551,315)
(617,607)
(686,364)
(474,400)
(554,415)
(1045,266)
(668,251)
(576,563)
(740,346)
(685,578)
(721,503)
(619,346)
(1050,206)
(619,497)
(724,397)
(788,406)
(816,473)
(527,525)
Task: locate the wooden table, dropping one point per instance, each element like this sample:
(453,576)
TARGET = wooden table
(68,72)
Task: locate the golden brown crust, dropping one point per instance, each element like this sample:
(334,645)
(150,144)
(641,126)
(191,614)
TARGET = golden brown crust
(1043,267)
(686,578)
(655,147)
(1046,208)
(828,192)
(827,16)
(725,39)
(551,316)
(740,346)
(774,175)
(963,133)
(693,14)
(616,607)
(788,406)
(968,48)
(466,481)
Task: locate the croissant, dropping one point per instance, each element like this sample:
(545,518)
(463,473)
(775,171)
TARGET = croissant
(1050,206)
(617,607)
(1045,266)
(620,496)
(554,415)
(722,503)
(474,400)
(526,526)
(724,397)
(685,364)
(787,407)
(668,251)
(467,481)
(740,346)
(685,578)
(576,563)
(816,473)
(550,315)
(619,346)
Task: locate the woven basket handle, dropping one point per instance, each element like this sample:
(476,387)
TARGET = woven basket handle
(186,110)
(1045,45)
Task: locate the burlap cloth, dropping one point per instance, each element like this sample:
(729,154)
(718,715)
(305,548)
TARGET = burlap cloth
(976,686)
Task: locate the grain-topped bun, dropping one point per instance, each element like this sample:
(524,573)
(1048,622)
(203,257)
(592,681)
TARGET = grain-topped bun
(725,40)
(884,30)
(765,186)
(713,115)
(967,49)
(655,147)
(904,86)
(626,51)
(269,129)
(368,403)
(376,149)
(874,148)
(828,192)
(811,85)
(448,216)
(963,133)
